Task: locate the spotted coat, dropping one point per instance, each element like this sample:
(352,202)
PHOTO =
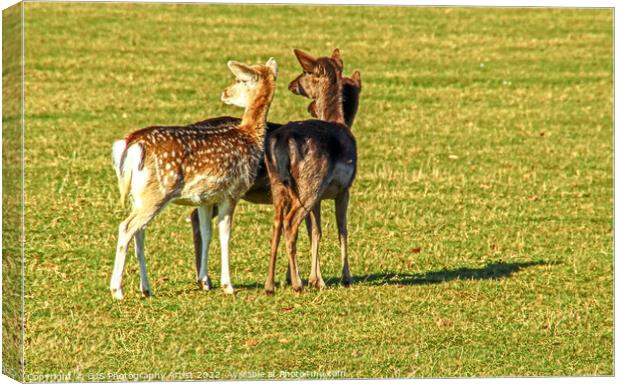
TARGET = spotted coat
(202,163)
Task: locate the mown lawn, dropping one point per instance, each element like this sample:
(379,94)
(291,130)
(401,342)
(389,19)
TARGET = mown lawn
(481,221)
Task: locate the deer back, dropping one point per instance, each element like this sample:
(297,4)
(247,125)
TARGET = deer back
(186,161)
(309,157)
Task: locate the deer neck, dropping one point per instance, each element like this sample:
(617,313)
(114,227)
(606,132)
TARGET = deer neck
(254,117)
(350,103)
(329,102)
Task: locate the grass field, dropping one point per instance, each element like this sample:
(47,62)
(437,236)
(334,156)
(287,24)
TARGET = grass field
(481,220)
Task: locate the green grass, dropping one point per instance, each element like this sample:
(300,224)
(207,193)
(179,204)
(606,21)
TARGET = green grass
(12,340)
(481,220)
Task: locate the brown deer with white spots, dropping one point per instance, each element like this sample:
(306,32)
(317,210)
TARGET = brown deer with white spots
(311,160)
(195,165)
(260,192)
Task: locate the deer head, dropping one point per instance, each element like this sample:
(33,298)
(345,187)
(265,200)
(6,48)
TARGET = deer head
(322,81)
(250,81)
(253,90)
(316,72)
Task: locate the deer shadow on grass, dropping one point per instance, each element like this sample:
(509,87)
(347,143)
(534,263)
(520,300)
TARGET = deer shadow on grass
(493,271)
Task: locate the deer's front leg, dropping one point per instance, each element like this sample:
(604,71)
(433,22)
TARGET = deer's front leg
(225,213)
(197,240)
(204,219)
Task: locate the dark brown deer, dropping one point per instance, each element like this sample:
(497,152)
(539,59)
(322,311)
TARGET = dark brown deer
(260,191)
(194,165)
(308,161)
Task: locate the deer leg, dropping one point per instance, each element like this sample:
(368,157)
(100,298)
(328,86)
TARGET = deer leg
(342,203)
(288,275)
(225,213)
(197,240)
(116,281)
(313,225)
(204,219)
(138,239)
(275,241)
(291,228)
(136,221)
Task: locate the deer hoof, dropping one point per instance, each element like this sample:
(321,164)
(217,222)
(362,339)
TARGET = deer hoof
(316,283)
(146,292)
(204,283)
(269,287)
(299,289)
(117,293)
(228,289)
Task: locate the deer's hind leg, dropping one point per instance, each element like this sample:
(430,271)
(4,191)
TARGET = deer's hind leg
(293,219)
(136,221)
(313,225)
(275,242)
(342,203)
(138,239)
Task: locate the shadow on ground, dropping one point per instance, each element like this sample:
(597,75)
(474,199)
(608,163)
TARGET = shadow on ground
(492,271)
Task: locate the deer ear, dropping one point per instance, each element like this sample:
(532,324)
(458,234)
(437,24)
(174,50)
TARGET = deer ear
(357,77)
(271,63)
(337,59)
(306,61)
(242,71)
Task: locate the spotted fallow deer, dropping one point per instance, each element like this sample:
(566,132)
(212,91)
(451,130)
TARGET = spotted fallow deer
(194,165)
(308,161)
(260,192)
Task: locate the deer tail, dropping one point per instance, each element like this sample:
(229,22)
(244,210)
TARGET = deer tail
(280,158)
(280,150)
(126,159)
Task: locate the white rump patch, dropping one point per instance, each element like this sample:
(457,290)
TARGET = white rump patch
(133,157)
(139,178)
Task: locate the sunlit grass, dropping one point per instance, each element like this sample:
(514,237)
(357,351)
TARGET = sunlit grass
(480,221)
